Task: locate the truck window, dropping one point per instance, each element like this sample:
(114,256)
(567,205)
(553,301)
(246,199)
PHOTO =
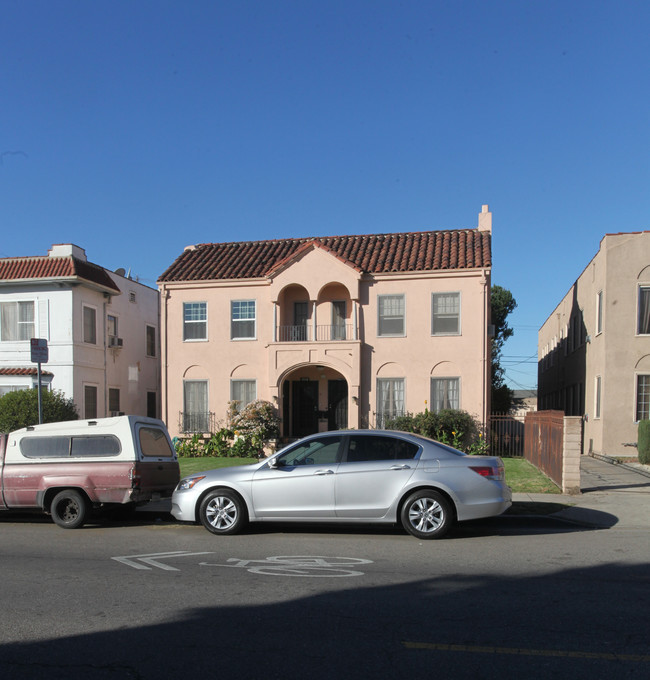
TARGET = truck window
(153,442)
(96,445)
(66,446)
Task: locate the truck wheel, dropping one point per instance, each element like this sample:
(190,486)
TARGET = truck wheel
(69,509)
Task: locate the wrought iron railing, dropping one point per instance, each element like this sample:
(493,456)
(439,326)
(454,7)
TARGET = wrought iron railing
(325,333)
(191,422)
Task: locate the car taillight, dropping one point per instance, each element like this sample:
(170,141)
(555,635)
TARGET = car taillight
(494,472)
(135,478)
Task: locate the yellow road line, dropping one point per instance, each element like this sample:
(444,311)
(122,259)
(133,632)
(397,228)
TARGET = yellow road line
(476,649)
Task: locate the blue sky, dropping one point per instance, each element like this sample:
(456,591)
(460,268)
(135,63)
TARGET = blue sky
(136,128)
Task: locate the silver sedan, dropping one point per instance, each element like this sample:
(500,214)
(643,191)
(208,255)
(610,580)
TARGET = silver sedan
(349,476)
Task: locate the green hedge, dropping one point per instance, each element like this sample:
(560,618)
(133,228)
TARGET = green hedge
(643,442)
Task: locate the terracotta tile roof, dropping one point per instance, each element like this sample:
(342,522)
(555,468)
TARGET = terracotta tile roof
(372,254)
(22,371)
(33,268)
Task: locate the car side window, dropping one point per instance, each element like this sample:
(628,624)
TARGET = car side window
(315,452)
(375,447)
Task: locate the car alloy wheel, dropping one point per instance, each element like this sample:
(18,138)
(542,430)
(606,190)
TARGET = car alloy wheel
(426,514)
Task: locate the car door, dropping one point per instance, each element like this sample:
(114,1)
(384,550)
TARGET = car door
(375,469)
(300,482)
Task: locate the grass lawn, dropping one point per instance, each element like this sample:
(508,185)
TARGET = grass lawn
(521,476)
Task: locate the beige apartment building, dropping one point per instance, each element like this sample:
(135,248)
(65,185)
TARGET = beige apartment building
(594,349)
(337,332)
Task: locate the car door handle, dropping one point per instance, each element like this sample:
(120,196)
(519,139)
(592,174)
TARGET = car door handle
(400,467)
(324,472)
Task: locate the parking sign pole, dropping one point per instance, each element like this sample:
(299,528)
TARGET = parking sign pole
(40,354)
(40,394)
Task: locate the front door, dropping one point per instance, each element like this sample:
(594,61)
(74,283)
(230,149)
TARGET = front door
(304,408)
(337,404)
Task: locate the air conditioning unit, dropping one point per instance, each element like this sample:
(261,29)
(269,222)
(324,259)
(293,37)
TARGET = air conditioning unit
(114,341)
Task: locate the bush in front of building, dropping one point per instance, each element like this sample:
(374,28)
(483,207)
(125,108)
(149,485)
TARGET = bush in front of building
(643,442)
(454,427)
(20,409)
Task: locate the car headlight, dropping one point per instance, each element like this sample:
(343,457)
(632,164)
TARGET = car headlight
(189,482)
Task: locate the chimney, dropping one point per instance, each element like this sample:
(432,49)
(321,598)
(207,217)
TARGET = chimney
(67,250)
(485,219)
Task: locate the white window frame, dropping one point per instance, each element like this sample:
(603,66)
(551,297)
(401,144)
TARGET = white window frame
(380,317)
(205,413)
(241,381)
(189,323)
(243,320)
(641,287)
(637,378)
(457,315)
(600,308)
(382,415)
(88,308)
(435,379)
(18,323)
(148,326)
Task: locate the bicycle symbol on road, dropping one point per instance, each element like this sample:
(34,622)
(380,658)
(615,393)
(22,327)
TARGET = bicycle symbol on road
(297,565)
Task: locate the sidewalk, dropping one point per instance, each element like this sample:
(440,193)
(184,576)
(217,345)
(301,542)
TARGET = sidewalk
(612,496)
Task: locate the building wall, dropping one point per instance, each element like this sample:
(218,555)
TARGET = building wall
(611,357)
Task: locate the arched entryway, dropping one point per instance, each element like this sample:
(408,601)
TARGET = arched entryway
(314,399)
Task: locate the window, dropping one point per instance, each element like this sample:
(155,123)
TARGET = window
(642,397)
(196,417)
(111,325)
(90,326)
(17,322)
(338,320)
(445,314)
(242,320)
(322,451)
(152,405)
(369,448)
(390,399)
(150,342)
(597,397)
(195,321)
(154,442)
(90,401)
(5,389)
(300,318)
(599,312)
(243,391)
(391,315)
(113,400)
(66,447)
(643,325)
(445,393)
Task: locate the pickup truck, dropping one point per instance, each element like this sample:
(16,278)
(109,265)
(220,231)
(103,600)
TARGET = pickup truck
(67,469)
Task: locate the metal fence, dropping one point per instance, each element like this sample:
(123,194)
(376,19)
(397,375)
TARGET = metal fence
(506,436)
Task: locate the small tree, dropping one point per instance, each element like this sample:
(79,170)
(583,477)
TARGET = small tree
(643,442)
(20,409)
(502,303)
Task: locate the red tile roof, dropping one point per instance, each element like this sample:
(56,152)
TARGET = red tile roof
(38,268)
(372,254)
(22,371)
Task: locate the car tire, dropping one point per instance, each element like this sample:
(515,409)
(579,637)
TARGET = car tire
(426,515)
(69,509)
(223,512)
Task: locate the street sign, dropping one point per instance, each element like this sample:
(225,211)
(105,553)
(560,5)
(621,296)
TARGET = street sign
(40,353)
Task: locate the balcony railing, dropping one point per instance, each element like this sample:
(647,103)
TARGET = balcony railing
(191,422)
(328,333)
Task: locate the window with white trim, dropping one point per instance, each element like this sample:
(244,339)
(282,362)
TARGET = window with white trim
(242,319)
(390,399)
(642,397)
(195,321)
(17,321)
(243,392)
(445,314)
(445,394)
(597,396)
(90,327)
(90,401)
(391,313)
(196,417)
(643,320)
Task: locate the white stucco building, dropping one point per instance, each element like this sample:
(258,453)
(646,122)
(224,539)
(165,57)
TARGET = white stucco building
(101,327)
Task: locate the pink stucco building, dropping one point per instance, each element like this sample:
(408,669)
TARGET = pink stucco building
(338,332)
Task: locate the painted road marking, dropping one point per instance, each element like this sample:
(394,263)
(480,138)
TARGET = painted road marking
(298,565)
(153,559)
(476,649)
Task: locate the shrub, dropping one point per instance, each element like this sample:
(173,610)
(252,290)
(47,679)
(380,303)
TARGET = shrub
(643,442)
(20,409)
(450,426)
